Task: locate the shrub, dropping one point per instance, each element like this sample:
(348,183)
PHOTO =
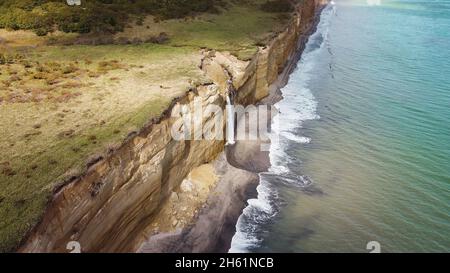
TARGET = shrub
(69,69)
(140,20)
(2,59)
(277,6)
(160,39)
(93,15)
(41,31)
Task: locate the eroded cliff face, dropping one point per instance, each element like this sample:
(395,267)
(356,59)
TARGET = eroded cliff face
(115,199)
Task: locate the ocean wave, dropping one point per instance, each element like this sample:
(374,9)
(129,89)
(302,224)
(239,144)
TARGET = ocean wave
(295,138)
(298,105)
(258,212)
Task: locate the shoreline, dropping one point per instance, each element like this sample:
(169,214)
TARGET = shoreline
(239,166)
(121,193)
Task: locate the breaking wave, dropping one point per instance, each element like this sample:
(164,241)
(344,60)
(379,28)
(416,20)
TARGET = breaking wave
(298,105)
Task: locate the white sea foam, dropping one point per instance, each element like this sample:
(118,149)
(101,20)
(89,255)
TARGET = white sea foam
(297,106)
(258,211)
(295,138)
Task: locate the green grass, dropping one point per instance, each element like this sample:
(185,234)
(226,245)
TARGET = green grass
(44,16)
(25,194)
(129,53)
(36,154)
(238,30)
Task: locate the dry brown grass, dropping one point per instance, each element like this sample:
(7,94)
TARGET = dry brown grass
(35,81)
(55,113)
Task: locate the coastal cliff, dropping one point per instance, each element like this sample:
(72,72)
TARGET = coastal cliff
(118,196)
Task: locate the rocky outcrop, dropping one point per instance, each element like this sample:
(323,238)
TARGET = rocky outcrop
(214,227)
(115,199)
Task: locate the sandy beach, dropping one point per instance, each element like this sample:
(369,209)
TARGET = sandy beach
(237,169)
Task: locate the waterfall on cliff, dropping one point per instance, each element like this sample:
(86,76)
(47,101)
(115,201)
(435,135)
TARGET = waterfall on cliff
(230,121)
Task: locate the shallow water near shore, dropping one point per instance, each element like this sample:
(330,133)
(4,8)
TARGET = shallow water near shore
(364,150)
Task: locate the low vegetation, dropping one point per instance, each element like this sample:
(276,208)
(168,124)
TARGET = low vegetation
(44,16)
(69,104)
(278,6)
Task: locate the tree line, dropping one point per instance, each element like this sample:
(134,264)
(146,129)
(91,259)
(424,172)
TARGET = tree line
(44,16)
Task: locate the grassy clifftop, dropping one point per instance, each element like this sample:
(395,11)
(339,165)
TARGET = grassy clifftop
(66,97)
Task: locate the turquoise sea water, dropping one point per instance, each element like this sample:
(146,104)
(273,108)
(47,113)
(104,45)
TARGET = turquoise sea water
(364,152)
